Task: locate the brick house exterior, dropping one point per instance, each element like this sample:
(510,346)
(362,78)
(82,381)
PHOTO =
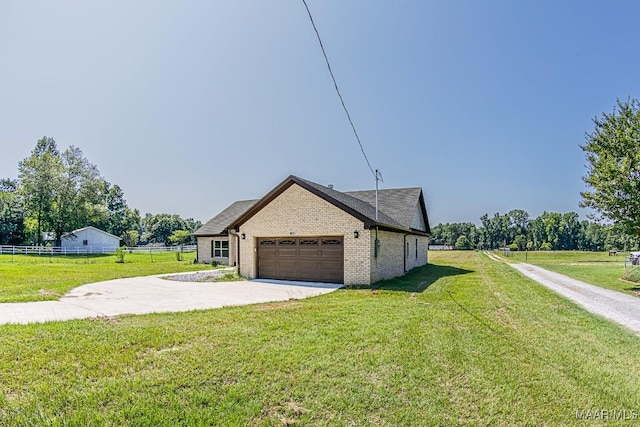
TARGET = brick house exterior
(302,230)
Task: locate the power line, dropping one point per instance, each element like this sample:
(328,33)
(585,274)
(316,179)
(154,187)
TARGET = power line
(375,173)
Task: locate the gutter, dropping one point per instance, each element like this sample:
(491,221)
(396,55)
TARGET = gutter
(406,252)
(395,229)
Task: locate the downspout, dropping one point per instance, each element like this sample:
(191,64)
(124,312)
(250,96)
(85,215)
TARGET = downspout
(237,236)
(406,252)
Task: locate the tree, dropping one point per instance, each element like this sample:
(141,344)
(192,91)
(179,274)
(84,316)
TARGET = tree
(519,221)
(520,242)
(463,243)
(158,228)
(78,190)
(119,218)
(180,237)
(11,213)
(37,175)
(130,238)
(613,170)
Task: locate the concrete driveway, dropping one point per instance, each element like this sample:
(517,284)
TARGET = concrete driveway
(153,294)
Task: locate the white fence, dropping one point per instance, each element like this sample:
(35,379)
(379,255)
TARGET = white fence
(56,250)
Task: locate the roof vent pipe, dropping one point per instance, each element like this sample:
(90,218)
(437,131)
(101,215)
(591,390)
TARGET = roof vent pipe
(330,186)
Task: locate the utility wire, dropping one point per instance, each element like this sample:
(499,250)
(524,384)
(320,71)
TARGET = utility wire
(375,173)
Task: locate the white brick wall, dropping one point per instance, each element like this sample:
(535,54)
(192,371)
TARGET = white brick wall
(393,256)
(204,250)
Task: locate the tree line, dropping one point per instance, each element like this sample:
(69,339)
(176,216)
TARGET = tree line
(58,192)
(549,231)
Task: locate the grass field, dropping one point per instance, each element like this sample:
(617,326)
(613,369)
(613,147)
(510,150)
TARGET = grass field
(597,268)
(465,341)
(43,277)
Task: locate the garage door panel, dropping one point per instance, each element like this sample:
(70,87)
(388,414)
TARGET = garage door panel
(309,252)
(333,255)
(318,259)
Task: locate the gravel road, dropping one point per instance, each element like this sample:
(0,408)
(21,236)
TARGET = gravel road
(621,308)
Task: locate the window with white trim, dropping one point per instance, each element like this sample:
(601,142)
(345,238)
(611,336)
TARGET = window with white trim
(220,249)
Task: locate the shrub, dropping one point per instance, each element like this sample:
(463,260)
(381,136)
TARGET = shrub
(229,277)
(214,263)
(120,255)
(632,274)
(463,243)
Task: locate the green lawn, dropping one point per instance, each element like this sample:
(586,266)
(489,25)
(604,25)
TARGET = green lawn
(465,341)
(597,268)
(45,277)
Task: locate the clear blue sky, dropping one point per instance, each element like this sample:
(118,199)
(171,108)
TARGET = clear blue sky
(191,105)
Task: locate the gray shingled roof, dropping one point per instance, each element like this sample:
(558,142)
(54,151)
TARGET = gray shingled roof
(358,201)
(398,203)
(218,224)
(397,207)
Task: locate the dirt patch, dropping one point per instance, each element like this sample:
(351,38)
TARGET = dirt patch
(168,349)
(297,409)
(107,319)
(279,306)
(47,293)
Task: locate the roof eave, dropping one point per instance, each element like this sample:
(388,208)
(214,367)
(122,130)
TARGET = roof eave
(387,227)
(224,233)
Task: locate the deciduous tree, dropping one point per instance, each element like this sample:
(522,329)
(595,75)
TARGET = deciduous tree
(613,169)
(11,213)
(38,174)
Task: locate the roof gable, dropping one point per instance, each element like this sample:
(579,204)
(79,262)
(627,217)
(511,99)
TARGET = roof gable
(418,222)
(401,204)
(396,206)
(219,224)
(87,228)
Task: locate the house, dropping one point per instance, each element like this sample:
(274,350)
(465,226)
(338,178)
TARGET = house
(89,240)
(213,237)
(305,231)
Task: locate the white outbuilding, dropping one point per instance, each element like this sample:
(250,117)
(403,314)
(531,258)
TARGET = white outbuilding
(89,240)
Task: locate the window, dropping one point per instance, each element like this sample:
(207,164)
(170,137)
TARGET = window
(306,242)
(85,242)
(220,249)
(331,242)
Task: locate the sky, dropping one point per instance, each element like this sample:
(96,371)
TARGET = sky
(191,105)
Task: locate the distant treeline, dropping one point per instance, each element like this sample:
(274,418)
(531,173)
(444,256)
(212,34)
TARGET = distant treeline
(549,231)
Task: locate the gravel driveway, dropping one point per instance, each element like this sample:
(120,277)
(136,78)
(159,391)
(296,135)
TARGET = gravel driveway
(621,308)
